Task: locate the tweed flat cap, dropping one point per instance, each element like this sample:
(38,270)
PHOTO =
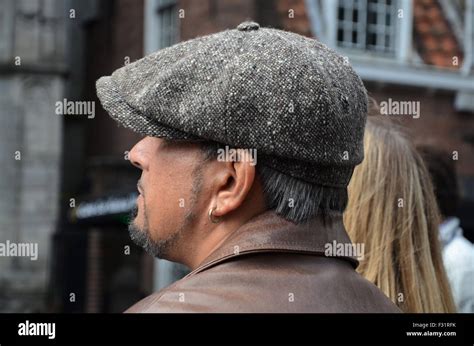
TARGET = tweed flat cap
(299,103)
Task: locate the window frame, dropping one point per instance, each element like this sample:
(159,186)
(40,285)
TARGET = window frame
(402,39)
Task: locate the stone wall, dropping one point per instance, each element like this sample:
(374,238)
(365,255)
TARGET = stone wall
(32,66)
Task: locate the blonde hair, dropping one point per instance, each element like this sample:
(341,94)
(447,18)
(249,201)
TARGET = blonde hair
(392,210)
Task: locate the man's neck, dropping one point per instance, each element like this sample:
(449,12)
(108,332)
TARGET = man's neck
(214,239)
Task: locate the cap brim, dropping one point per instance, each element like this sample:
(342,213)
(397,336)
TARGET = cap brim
(129,117)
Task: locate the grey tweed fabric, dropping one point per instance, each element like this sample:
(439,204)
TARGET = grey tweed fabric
(299,103)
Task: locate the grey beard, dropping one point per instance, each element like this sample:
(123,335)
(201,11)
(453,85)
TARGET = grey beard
(141,237)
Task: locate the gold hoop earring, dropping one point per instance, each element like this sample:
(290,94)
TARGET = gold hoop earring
(211,217)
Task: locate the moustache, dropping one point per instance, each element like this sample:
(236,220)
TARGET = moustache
(140,187)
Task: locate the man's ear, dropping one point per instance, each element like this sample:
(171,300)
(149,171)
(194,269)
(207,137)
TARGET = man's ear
(233,182)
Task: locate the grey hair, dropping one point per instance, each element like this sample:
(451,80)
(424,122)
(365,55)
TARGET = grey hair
(291,198)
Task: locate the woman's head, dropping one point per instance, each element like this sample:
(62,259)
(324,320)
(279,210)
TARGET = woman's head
(392,210)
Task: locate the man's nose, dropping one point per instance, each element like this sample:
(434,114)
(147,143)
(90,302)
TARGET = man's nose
(136,156)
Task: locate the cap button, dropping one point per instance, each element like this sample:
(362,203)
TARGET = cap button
(248,26)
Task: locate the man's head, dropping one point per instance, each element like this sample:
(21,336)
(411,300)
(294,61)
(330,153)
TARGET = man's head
(183,182)
(293,101)
(178,187)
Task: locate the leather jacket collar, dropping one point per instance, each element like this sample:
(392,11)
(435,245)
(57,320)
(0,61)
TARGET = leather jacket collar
(268,232)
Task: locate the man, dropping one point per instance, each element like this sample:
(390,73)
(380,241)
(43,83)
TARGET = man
(252,135)
(458,252)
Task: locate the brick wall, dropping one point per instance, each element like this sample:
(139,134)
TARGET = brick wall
(439,124)
(210,16)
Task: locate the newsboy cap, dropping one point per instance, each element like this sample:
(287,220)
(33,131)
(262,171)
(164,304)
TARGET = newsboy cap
(299,103)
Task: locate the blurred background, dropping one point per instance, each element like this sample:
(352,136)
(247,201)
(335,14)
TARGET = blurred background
(66,183)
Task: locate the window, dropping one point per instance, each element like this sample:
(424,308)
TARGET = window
(161,24)
(167,17)
(367,25)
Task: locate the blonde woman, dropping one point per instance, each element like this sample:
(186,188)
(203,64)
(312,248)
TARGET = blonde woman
(392,210)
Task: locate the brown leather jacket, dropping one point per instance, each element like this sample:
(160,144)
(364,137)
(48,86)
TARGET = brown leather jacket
(272,265)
